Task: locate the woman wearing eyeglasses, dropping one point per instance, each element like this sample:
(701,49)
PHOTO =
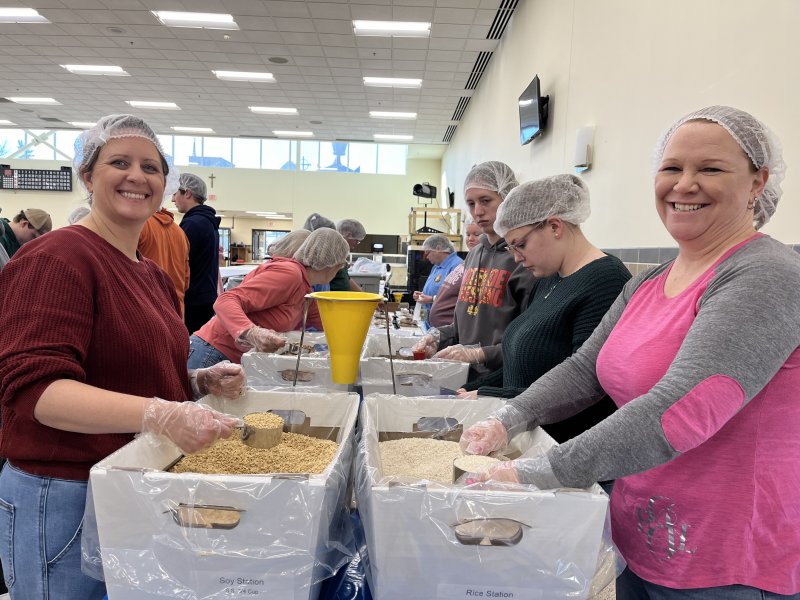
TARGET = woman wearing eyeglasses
(576,284)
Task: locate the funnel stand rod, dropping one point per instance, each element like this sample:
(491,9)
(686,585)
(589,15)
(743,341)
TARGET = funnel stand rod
(302,335)
(389,340)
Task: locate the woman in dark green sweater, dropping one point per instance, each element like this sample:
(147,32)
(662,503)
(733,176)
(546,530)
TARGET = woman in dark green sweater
(576,284)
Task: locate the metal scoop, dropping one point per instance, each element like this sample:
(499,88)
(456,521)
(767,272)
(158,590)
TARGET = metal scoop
(261,437)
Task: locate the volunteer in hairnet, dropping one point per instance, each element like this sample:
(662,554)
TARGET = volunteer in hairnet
(441,253)
(352,231)
(701,356)
(576,283)
(268,302)
(494,289)
(91,340)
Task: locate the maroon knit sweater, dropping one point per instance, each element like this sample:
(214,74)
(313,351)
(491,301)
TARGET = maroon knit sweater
(73,307)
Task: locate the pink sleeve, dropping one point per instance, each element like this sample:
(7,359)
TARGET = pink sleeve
(702,412)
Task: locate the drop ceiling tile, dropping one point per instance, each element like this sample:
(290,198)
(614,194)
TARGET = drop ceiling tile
(334,26)
(328,10)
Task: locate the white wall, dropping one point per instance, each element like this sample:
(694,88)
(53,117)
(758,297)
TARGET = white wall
(630,68)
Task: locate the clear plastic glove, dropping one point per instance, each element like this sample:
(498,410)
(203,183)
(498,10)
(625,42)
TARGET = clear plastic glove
(505,471)
(223,379)
(530,471)
(423,298)
(428,343)
(468,354)
(484,437)
(462,393)
(190,426)
(261,339)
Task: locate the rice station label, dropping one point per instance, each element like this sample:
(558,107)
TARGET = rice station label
(448,591)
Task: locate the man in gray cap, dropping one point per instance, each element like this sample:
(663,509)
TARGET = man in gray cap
(200,223)
(26,226)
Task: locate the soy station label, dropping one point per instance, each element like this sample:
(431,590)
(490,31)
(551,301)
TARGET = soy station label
(448,591)
(242,586)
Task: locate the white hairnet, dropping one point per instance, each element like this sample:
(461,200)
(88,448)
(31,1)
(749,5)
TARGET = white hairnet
(288,244)
(322,249)
(756,139)
(563,196)
(492,175)
(351,229)
(110,127)
(438,243)
(316,220)
(77,214)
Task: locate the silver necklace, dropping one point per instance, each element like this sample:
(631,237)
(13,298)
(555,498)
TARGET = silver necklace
(552,287)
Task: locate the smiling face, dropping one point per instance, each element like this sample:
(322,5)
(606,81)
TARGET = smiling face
(473,235)
(482,205)
(127,181)
(704,184)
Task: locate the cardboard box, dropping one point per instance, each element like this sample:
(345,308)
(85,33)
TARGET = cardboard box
(416,552)
(282,541)
(412,377)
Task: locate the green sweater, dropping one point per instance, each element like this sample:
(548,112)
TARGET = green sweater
(8,238)
(561,315)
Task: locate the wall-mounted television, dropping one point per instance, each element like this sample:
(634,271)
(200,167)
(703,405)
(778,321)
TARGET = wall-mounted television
(533,110)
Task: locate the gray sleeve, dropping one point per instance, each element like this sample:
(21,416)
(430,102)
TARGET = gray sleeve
(448,334)
(747,325)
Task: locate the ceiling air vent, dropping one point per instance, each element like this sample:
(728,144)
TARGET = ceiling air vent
(448,135)
(501,19)
(477,70)
(462,105)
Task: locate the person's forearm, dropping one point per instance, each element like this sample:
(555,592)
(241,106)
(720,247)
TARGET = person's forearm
(73,406)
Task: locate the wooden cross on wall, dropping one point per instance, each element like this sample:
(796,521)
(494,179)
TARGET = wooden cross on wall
(212,178)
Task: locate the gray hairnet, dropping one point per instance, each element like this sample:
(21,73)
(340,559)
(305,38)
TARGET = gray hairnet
(563,196)
(288,244)
(322,249)
(352,229)
(438,243)
(492,175)
(89,143)
(195,184)
(761,145)
(77,214)
(316,220)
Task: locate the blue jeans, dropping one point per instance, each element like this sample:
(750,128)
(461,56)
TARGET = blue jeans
(202,354)
(632,587)
(40,537)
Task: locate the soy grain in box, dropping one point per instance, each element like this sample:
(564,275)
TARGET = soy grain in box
(430,541)
(257,536)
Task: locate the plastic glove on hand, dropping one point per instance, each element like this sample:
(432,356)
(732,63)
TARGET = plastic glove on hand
(462,393)
(262,339)
(426,344)
(190,426)
(223,379)
(505,471)
(468,354)
(484,437)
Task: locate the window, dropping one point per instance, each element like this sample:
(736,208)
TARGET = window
(392,159)
(278,154)
(246,153)
(11,140)
(262,238)
(65,142)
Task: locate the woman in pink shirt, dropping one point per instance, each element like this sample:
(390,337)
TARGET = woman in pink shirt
(701,357)
(269,301)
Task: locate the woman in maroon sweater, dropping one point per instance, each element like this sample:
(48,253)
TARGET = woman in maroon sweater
(91,339)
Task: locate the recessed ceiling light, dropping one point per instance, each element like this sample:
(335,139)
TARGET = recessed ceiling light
(148,104)
(401,82)
(393,137)
(115,29)
(22,100)
(293,133)
(192,129)
(195,20)
(244,76)
(272,110)
(6,122)
(112,70)
(392,28)
(21,15)
(382,114)
(82,124)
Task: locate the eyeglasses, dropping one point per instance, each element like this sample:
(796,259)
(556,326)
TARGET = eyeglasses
(518,246)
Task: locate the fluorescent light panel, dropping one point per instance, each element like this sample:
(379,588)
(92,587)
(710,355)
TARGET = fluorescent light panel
(6,122)
(272,110)
(82,124)
(148,104)
(21,15)
(26,100)
(245,76)
(192,129)
(195,20)
(393,137)
(383,114)
(293,133)
(112,70)
(392,28)
(400,82)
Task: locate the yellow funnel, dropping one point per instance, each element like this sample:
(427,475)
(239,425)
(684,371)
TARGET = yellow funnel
(346,317)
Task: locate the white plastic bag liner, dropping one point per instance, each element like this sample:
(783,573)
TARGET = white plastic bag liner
(293,531)
(413,377)
(562,547)
(367,266)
